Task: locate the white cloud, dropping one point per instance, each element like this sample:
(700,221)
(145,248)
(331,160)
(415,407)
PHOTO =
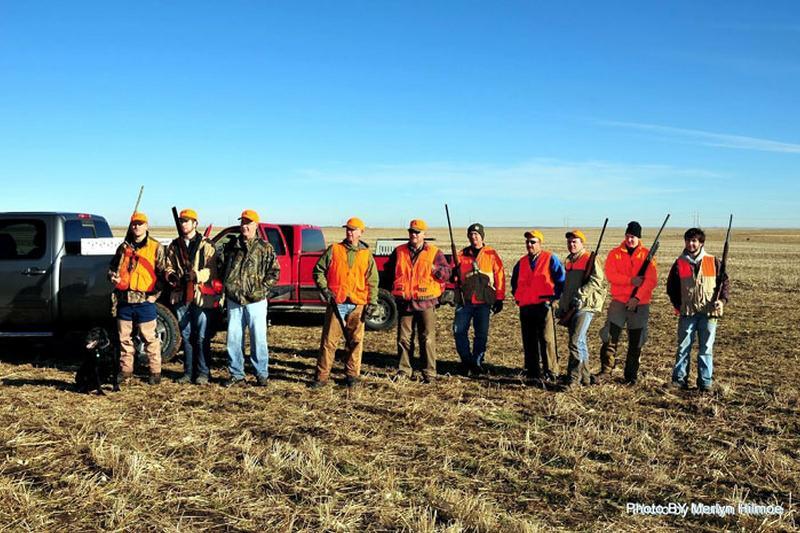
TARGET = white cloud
(709,138)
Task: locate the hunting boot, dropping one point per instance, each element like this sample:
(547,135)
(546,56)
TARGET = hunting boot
(573,372)
(608,352)
(124,378)
(154,379)
(586,376)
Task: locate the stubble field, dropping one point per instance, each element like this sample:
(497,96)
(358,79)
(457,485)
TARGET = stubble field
(489,454)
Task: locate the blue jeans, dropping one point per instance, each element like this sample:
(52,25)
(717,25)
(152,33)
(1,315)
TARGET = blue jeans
(254,317)
(578,328)
(193,321)
(479,316)
(704,328)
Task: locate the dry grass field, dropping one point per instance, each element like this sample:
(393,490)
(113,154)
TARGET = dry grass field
(487,454)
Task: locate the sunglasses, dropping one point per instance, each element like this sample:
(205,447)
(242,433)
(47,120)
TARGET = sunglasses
(414,231)
(532,241)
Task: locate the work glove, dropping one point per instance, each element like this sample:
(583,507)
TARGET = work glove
(448,298)
(326,295)
(637,281)
(576,303)
(632,304)
(371,310)
(497,307)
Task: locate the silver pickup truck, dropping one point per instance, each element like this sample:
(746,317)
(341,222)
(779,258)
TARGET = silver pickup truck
(47,287)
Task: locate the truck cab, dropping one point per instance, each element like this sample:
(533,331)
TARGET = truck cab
(44,281)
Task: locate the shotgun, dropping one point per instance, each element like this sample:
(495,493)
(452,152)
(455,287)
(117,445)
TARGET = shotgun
(649,259)
(454,253)
(185,260)
(722,274)
(587,274)
(128,261)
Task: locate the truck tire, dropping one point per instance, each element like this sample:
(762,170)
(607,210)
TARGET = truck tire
(168,331)
(386,316)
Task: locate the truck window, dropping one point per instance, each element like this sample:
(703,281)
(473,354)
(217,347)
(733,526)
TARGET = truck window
(313,240)
(75,230)
(22,239)
(274,238)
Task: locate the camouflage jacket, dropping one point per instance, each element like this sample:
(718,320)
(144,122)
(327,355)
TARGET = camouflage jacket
(249,270)
(203,262)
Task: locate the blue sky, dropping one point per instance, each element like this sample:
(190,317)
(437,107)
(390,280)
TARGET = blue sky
(514,113)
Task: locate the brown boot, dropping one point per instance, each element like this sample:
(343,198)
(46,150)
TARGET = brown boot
(124,378)
(604,376)
(154,379)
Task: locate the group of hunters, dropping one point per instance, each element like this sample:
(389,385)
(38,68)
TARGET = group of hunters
(545,290)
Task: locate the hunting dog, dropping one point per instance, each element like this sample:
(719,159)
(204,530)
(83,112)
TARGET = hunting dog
(101,361)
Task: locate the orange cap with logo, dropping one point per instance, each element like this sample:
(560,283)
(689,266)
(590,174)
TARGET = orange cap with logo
(354,223)
(534,234)
(139,217)
(250,215)
(418,225)
(188,213)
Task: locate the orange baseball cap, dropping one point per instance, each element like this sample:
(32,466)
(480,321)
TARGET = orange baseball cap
(250,215)
(573,233)
(418,225)
(188,213)
(534,234)
(355,223)
(139,217)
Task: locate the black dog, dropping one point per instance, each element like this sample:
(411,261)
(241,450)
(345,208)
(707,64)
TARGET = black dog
(100,359)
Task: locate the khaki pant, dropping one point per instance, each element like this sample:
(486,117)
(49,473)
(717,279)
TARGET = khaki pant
(152,345)
(331,333)
(426,332)
(538,340)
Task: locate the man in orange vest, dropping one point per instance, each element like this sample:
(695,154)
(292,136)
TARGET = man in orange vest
(536,282)
(622,271)
(585,296)
(691,284)
(136,271)
(347,278)
(416,273)
(483,287)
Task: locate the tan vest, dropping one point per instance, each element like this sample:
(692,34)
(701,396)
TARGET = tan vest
(697,291)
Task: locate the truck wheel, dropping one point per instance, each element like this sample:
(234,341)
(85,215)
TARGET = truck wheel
(168,332)
(386,317)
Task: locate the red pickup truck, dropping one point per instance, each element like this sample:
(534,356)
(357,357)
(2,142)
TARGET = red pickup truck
(298,247)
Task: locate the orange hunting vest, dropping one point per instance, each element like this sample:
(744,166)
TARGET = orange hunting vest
(696,294)
(415,281)
(137,268)
(346,282)
(534,286)
(580,264)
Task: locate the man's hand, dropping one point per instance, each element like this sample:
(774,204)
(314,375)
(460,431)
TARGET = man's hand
(632,304)
(637,281)
(114,278)
(326,295)
(190,277)
(719,306)
(371,310)
(172,279)
(497,307)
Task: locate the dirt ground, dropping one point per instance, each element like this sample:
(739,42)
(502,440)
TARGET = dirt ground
(489,454)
